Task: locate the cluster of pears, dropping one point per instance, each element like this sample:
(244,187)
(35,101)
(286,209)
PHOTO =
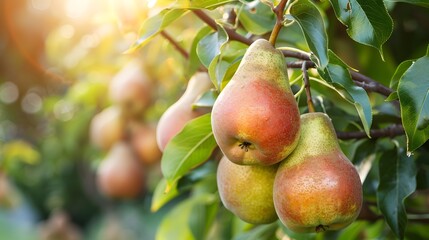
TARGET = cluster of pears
(278,164)
(130,143)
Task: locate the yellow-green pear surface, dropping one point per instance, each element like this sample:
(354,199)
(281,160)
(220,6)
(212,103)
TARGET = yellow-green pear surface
(255,119)
(317,188)
(247,191)
(177,115)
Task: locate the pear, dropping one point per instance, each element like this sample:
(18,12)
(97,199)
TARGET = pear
(107,127)
(317,188)
(247,191)
(120,175)
(131,88)
(177,115)
(143,141)
(255,119)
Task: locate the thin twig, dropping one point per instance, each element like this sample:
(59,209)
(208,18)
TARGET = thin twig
(372,84)
(278,11)
(361,80)
(176,45)
(391,132)
(307,87)
(233,35)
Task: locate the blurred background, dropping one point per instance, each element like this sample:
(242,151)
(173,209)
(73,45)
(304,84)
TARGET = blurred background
(59,62)
(58,59)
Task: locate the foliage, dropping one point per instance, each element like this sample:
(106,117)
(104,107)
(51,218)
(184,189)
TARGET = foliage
(363,72)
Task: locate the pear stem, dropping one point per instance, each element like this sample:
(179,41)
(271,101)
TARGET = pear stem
(279,10)
(307,87)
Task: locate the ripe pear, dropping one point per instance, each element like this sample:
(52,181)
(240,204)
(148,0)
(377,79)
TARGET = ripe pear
(143,141)
(317,188)
(107,127)
(120,175)
(247,191)
(131,88)
(177,115)
(255,119)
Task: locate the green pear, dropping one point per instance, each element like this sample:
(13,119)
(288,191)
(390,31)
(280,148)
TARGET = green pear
(317,188)
(177,115)
(255,119)
(247,191)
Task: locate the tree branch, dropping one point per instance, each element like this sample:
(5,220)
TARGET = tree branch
(391,132)
(232,34)
(176,45)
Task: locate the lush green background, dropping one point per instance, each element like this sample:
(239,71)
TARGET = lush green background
(59,56)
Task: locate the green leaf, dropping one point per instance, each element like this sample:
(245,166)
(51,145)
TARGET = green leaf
(422,3)
(161,197)
(19,150)
(188,149)
(337,74)
(261,232)
(397,181)
(194,60)
(210,46)
(155,25)
(413,92)
(257,18)
(311,22)
(206,4)
(206,100)
(400,70)
(176,224)
(202,217)
(224,66)
(367,21)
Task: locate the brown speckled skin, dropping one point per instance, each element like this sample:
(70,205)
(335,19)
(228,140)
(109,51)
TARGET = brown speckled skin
(317,185)
(257,107)
(247,191)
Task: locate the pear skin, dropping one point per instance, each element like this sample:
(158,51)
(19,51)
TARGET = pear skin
(143,142)
(247,191)
(107,127)
(131,88)
(317,188)
(120,175)
(177,115)
(255,119)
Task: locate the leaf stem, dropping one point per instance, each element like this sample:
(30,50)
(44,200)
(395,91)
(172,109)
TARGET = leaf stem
(176,45)
(279,10)
(307,87)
